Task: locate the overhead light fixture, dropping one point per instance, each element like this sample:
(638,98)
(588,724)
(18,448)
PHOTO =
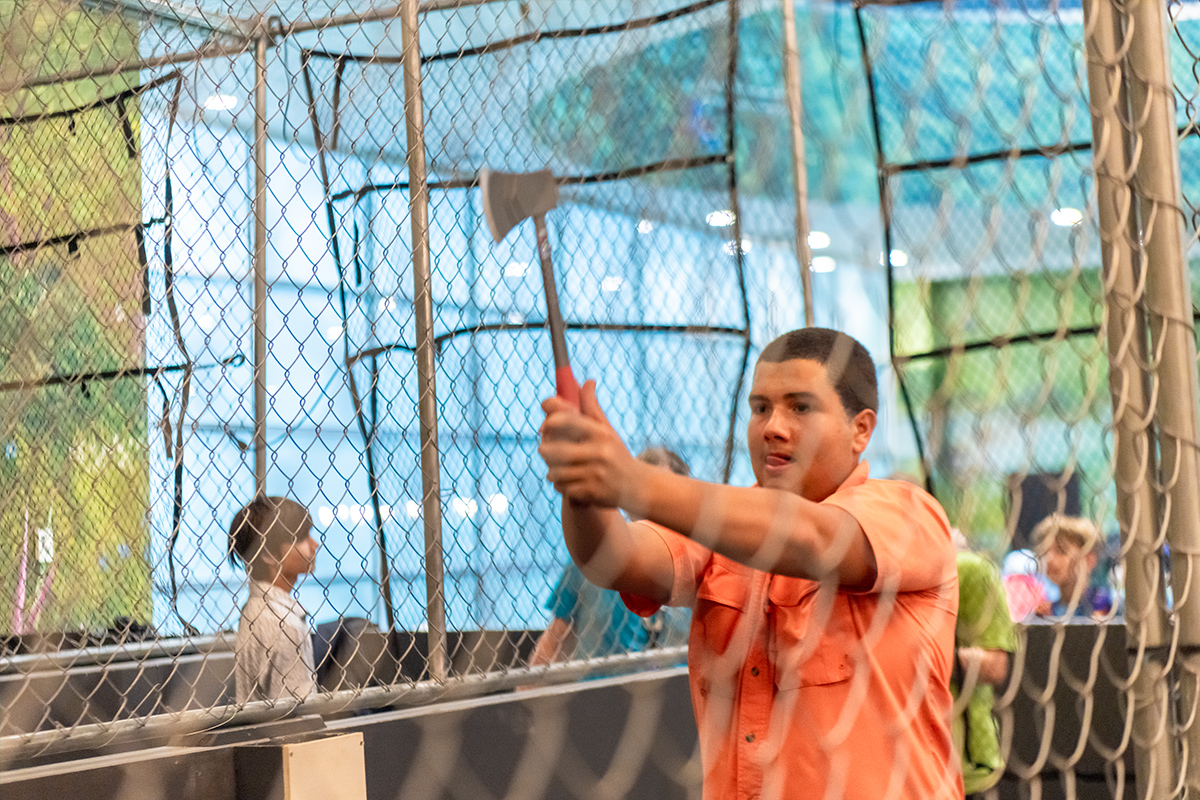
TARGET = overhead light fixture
(515,269)
(899,258)
(746,245)
(465,507)
(1066,217)
(498,503)
(818,240)
(644,226)
(220,102)
(720,219)
(612,283)
(823,264)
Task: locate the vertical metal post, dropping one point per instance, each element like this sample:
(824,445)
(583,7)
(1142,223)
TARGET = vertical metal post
(431,500)
(1169,310)
(791,84)
(1134,461)
(260,264)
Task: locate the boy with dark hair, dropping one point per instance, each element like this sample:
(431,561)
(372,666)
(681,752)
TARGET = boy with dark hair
(823,601)
(273,654)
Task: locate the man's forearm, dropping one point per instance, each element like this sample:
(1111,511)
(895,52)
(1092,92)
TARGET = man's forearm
(613,555)
(764,528)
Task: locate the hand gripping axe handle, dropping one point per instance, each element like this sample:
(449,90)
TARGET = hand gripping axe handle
(509,199)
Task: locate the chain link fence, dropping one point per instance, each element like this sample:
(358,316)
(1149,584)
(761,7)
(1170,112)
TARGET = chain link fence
(225,273)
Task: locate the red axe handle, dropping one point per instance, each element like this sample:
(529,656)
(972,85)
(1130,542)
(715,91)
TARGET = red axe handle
(566,385)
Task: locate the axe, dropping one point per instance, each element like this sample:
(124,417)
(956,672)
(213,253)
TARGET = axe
(510,198)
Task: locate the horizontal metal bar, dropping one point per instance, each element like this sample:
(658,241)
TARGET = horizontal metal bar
(528,38)
(67,238)
(169,726)
(533,326)
(208,50)
(103,101)
(998,342)
(235,360)
(111,654)
(191,17)
(379,15)
(666,165)
(1052,151)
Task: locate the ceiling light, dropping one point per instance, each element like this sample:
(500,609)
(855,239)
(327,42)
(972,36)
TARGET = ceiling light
(515,269)
(612,283)
(221,102)
(746,245)
(644,226)
(720,219)
(498,503)
(899,258)
(823,264)
(1066,217)
(818,240)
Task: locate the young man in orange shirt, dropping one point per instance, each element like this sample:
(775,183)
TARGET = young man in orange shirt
(823,601)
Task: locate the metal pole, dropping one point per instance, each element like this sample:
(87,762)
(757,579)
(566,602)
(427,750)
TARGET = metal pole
(1168,303)
(431,500)
(260,264)
(791,84)
(1134,462)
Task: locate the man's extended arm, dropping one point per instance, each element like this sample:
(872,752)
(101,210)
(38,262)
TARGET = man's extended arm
(763,528)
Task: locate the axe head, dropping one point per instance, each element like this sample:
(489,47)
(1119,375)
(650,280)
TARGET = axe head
(510,197)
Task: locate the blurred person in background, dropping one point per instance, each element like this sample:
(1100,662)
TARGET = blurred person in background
(273,652)
(984,641)
(1069,548)
(594,620)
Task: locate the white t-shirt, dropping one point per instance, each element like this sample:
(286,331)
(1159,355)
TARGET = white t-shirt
(273,654)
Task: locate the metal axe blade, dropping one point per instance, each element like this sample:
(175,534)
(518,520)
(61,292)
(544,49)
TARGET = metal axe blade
(511,197)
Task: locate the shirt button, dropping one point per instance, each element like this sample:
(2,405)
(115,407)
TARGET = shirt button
(754,671)
(750,737)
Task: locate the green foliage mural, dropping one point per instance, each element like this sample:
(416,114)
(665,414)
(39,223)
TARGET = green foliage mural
(74,540)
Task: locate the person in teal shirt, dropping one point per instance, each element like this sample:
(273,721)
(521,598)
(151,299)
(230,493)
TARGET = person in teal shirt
(596,618)
(984,639)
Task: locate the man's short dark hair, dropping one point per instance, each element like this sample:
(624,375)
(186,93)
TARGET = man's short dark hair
(848,363)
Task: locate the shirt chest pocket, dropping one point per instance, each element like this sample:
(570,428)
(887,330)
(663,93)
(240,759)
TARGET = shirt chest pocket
(721,602)
(810,634)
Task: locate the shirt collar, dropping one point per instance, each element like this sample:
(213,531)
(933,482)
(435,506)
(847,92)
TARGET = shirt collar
(857,477)
(271,592)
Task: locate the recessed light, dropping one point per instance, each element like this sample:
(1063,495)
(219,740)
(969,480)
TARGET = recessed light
(818,240)
(1066,217)
(720,219)
(220,102)
(823,264)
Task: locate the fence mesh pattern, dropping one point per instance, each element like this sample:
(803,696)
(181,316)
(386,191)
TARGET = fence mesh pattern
(212,288)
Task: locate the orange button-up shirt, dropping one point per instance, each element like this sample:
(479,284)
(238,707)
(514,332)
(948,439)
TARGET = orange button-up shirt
(804,690)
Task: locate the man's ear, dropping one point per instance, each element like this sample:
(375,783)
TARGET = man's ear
(864,425)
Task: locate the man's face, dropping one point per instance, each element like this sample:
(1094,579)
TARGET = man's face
(801,438)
